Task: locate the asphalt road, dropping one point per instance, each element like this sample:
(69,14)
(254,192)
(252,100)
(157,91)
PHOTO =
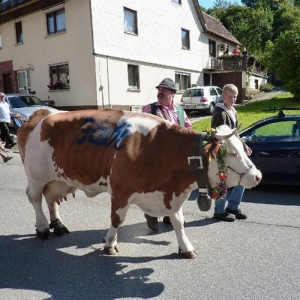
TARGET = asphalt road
(253,259)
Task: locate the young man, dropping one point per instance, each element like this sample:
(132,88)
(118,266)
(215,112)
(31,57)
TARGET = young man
(225,113)
(4,120)
(168,110)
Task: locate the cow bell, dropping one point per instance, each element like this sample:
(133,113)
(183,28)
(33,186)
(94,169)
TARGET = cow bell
(204,201)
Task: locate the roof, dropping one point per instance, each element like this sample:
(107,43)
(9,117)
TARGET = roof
(14,9)
(215,27)
(6,5)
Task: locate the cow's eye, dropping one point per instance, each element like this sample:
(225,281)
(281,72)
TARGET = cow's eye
(233,153)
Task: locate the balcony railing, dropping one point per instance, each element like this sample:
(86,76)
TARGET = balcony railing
(235,63)
(229,63)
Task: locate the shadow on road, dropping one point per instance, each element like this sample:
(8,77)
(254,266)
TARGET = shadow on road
(73,267)
(273,194)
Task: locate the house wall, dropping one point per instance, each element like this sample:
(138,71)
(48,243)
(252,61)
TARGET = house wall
(156,49)
(257,80)
(98,51)
(113,84)
(39,51)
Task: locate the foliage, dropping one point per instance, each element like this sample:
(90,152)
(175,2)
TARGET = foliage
(252,27)
(267,87)
(252,112)
(284,59)
(284,19)
(273,4)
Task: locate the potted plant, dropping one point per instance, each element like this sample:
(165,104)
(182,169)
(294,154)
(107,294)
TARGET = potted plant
(57,85)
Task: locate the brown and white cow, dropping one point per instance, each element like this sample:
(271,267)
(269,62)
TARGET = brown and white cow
(138,158)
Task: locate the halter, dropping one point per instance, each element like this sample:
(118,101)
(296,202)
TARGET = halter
(198,165)
(240,174)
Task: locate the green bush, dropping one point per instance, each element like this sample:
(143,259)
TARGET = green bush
(267,87)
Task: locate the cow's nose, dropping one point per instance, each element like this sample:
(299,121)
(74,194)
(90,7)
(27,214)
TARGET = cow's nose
(258,178)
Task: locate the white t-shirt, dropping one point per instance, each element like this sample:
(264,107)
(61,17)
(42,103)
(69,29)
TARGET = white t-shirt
(4,112)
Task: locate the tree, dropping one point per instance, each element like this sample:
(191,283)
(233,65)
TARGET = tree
(252,27)
(273,4)
(284,19)
(224,3)
(283,57)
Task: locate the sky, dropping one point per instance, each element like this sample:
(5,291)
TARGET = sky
(210,3)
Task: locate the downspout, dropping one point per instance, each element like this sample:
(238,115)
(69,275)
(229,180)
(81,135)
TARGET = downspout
(93,45)
(101,86)
(108,91)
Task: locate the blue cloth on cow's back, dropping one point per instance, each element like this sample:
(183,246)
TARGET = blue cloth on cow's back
(17,121)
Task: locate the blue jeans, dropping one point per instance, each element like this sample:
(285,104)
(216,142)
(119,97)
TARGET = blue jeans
(234,200)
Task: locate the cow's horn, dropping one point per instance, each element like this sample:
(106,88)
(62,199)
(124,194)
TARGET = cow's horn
(222,137)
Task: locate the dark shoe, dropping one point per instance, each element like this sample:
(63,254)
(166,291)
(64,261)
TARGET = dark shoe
(237,212)
(10,145)
(7,158)
(152,222)
(204,202)
(166,220)
(224,217)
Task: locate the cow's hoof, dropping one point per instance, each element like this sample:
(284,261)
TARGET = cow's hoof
(44,235)
(188,254)
(58,227)
(111,250)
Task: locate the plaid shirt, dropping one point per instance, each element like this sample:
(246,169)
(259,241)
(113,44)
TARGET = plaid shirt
(168,113)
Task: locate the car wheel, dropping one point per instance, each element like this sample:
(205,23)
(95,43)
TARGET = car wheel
(211,108)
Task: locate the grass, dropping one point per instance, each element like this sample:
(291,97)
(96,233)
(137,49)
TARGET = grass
(253,112)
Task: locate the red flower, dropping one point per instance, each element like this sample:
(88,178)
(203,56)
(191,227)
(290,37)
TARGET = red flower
(222,176)
(214,195)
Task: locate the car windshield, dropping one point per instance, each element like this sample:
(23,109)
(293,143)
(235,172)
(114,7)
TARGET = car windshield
(194,93)
(24,101)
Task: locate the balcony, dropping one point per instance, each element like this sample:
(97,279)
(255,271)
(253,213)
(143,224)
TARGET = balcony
(235,63)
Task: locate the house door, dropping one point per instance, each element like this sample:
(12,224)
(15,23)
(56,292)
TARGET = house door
(206,79)
(24,81)
(7,83)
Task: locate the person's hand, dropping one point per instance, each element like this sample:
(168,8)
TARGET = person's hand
(17,115)
(247,150)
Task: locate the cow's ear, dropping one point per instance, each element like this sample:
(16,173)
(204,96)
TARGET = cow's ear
(211,150)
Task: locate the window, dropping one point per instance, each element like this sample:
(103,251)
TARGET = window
(212,48)
(133,76)
(19,32)
(177,1)
(59,77)
(56,21)
(185,39)
(284,131)
(130,21)
(182,81)
(24,82)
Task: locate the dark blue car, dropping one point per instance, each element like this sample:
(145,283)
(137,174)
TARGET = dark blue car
(275,144)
